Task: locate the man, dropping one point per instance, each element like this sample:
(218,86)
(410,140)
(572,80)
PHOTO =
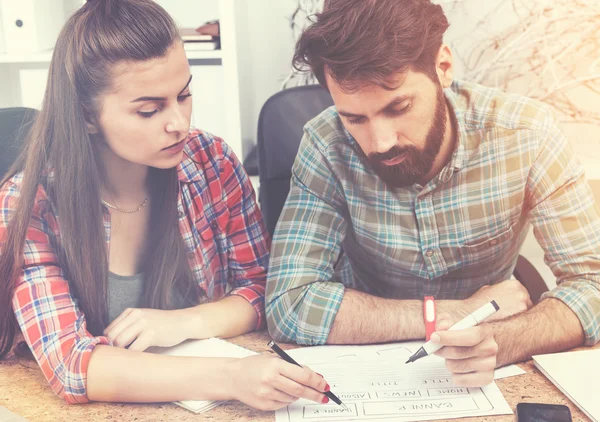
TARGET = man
(416,185)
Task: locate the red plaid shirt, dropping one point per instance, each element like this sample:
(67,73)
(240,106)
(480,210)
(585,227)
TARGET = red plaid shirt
(220,223)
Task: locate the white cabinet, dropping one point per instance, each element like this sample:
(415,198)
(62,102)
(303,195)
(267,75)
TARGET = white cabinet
(220,90)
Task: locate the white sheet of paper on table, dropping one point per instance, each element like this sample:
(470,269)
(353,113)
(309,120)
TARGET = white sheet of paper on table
(375,384)
(508,371)
(383,349)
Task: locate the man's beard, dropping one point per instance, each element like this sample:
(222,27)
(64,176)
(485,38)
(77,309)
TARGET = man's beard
(417,162)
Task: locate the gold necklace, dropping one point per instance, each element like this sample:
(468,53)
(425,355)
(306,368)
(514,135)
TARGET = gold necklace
(124,210)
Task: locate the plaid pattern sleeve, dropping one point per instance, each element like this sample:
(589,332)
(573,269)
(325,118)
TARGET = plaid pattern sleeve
(303,297)
(566,223)
(248,240)
(49,318)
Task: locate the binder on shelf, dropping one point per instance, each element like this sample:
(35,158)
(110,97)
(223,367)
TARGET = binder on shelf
(30,26)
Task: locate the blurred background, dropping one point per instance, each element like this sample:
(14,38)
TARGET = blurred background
(546,49)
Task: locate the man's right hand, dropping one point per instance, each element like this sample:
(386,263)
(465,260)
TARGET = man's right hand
(510,295)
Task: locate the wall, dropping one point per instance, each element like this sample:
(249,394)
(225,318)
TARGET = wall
(271,49)
(264,59)
(465,34)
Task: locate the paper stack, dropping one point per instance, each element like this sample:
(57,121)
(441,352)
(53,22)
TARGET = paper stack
(209,348)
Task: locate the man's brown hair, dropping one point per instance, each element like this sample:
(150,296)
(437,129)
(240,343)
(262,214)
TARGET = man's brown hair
(362,42)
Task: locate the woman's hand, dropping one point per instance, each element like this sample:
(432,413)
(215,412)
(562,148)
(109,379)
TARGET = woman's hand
(269,383)
(143,328)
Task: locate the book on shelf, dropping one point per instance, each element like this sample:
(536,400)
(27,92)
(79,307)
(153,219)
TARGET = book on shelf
(191,35)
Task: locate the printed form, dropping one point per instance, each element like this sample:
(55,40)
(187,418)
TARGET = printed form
(376,385)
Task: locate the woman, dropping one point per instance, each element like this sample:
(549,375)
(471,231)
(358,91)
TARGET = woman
(121,230)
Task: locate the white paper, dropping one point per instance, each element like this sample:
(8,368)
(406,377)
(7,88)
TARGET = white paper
(386,349)
(508,371)
(576,374)
(212,347)
(375,384)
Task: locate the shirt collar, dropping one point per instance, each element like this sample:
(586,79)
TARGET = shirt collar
(187,170)
(457,116)
(457,160)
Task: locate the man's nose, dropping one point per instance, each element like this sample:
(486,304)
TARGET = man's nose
(382,139)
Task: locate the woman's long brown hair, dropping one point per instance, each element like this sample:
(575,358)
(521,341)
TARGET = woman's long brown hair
(99,35)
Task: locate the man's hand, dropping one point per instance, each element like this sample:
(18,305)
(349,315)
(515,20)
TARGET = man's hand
(470,353)
(142,328)
(510,295)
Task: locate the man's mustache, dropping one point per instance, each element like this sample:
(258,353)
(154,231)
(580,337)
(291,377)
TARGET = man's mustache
(392,153)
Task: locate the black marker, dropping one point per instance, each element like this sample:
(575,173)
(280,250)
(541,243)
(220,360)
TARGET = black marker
(289,359)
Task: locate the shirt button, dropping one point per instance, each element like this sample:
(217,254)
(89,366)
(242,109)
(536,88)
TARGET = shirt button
(493,242)
(429,252)
(181,214)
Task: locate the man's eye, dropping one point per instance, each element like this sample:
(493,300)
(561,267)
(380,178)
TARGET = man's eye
(397,112)
(356,121)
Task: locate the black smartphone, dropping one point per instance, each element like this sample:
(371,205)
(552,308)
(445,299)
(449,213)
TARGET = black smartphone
(541,412)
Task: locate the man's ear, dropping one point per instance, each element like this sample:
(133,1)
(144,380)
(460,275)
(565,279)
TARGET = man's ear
(444,66)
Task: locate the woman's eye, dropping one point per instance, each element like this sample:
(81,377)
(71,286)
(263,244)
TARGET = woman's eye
(147,114)
(184,97)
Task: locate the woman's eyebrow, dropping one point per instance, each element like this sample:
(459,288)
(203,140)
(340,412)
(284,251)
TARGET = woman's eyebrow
(162,98)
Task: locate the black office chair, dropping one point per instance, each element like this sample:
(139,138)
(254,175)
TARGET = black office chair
(280,129)
(15,124)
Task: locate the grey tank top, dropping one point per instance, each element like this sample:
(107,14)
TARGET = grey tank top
(126,292)
(123,292)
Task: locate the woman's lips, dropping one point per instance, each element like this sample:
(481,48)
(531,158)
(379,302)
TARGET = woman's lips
(175,147)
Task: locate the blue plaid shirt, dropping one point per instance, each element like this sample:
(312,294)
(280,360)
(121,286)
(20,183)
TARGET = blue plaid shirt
(512,168)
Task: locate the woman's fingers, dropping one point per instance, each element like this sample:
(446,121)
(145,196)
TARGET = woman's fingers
(298,390)
(282,397)
(118,320)
(127,336)
(140,344)
(303,375)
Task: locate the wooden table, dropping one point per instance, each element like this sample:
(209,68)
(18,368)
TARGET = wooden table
(24,391)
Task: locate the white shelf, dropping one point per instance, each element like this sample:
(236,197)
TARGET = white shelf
(43,57)
(228,90)
(203,54)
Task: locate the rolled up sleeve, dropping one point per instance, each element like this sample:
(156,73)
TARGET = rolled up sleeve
(302,296)
(248,239)
(566,223)
(48,316)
